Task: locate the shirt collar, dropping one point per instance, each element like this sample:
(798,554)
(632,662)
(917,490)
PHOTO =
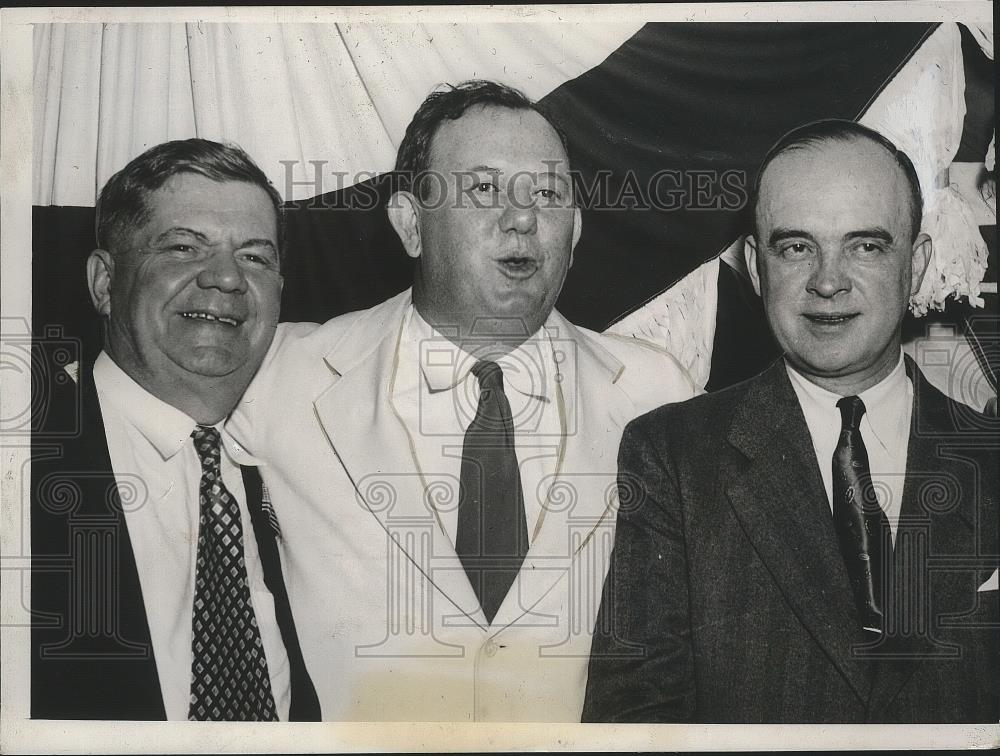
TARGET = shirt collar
(528,369)
(163,425)
(885,402)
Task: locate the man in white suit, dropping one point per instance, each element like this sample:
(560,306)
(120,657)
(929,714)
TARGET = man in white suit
(444,463)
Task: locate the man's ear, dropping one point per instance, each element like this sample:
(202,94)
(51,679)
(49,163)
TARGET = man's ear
(100,273)
(923,248)
(750,254)
(577,231)
(404,215)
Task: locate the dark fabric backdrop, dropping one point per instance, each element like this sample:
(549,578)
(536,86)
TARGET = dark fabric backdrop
(702,102)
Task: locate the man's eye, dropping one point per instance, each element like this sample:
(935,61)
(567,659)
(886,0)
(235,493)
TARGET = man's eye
(870,248)
(487,187)
(184,249)
(549,194)
(795,250)
(255,259)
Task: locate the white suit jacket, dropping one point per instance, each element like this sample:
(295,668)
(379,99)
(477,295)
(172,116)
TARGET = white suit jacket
(388,622)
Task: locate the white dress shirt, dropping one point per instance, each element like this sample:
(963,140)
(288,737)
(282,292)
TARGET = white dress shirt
(885,430)
(158,474)
(436,396)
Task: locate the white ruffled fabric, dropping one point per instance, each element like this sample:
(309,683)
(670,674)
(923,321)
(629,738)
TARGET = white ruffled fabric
(681,320)
(958,264)
(922,110)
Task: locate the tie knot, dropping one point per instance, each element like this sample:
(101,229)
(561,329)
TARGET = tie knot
(489,375)
(206,443)
(852,409)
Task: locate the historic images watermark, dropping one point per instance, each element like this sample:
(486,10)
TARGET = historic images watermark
(665,190)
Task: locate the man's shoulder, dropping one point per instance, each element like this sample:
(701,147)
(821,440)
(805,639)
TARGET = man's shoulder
(308,338)
(318,339)
(644,370)
(707,416)
(631,350)
(315,336)
(947,420)
(937,409)
(69,447)
(68,412)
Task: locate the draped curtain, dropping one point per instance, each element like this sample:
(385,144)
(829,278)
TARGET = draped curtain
(340,93)
(324,106)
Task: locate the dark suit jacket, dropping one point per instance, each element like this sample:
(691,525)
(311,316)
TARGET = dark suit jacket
(91,654)
(728,599)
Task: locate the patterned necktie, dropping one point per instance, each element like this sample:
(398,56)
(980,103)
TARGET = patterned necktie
(492,538)
(229,677)
(861,525)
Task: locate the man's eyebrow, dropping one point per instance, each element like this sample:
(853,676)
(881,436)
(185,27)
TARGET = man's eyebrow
(257,243)
(181,230)
(876,232)
(555,175)
(484,169)
(781,233)
(205,240)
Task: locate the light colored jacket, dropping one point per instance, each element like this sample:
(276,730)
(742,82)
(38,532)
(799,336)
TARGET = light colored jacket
(390,626)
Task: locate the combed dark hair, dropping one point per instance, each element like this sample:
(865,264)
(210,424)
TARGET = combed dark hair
(414,156)
(840,130)
(122,204)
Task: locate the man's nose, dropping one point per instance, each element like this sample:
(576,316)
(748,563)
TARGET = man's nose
(223,272)
(519,214)
(829,276)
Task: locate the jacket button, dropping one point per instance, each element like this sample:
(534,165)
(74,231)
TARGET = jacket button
(491,648)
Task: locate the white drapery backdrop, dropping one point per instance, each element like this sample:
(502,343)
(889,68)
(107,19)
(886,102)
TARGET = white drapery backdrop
(343,94)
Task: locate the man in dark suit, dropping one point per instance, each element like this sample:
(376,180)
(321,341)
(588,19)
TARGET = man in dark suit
(156,585)
(818,543)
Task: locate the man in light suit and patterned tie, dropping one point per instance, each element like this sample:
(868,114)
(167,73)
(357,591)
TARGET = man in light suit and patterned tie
(819,543)
(157,590)
(443,464)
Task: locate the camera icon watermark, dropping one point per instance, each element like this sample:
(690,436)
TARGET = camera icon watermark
(539,378)
(962,369)
(48,361)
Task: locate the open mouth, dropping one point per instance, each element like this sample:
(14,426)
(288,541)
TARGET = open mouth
(210,317)
(830,318)
(518,267)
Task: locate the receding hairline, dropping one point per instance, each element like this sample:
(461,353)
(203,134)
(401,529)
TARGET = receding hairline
(829,140)
(481,107)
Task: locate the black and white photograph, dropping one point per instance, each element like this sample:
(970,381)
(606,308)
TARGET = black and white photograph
(499,378)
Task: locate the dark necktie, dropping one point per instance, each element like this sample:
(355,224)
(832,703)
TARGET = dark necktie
(492,537)
(862,527)
(229,677)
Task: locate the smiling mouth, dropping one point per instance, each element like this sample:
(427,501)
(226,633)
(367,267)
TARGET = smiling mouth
(210,318)
(518,267)
(830,318)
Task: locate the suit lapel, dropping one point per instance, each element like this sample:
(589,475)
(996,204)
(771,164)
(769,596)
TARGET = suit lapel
(376,452)
(129,687)
(131,605)
(781,503)
(929,526)
(304,706)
